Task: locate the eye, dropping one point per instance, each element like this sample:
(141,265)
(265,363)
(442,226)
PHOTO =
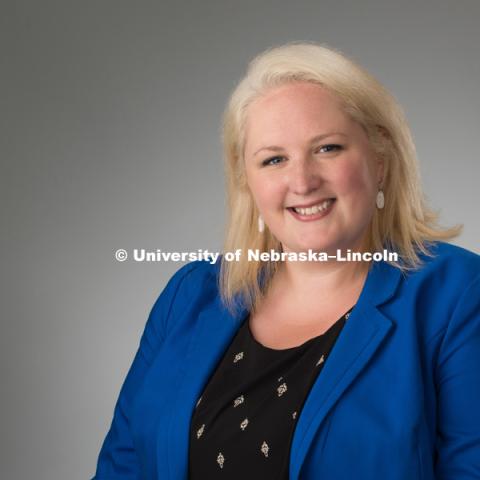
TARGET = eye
(272,161)
(332,147)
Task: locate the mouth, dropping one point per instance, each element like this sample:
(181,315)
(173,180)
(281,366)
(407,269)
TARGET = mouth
(313,212)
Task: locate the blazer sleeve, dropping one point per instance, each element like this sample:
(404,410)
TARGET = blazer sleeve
(117,458)
(458,391)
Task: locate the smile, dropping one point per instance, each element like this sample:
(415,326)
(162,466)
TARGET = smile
(314,212)
(321,207)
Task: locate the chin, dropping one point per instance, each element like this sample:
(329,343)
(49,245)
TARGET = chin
(315,247)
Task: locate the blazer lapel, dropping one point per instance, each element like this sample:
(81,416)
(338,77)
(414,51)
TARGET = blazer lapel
(214,333)
(360,338)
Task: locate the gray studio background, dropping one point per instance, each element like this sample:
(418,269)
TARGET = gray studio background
(110,120)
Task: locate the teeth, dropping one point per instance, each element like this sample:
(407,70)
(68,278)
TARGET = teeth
(315,209)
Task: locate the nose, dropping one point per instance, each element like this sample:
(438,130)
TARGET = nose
(304,178)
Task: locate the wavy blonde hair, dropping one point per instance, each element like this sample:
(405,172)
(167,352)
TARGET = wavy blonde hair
(405,225)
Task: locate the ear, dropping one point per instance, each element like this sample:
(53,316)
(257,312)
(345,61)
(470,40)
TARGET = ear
(383,132)
(385,139)
(380,170)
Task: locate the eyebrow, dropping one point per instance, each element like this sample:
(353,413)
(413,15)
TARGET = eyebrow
(275,148)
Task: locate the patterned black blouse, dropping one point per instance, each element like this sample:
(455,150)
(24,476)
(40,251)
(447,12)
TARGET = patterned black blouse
(243,424)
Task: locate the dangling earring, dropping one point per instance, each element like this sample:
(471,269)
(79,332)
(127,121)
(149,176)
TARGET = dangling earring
(261,224)
(380,201)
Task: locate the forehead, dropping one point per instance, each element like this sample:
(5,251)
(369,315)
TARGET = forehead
(293,111)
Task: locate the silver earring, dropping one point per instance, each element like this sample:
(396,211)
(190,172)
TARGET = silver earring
(261,224)
(380,201)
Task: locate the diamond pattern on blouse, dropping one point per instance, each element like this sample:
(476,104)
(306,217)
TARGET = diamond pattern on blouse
(264,448)
(297,379)
(282,389)
(321,360)
(200,431)
(238,357)
(220,459)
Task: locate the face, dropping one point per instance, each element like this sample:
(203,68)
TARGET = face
(310,169)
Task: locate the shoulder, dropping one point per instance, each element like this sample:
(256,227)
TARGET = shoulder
(194,278)
(450,261)
(450,252)
(196,270)
(443,291)
(443,280)
(193,284)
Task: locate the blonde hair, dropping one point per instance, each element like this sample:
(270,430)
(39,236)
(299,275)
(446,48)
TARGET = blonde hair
(406,225)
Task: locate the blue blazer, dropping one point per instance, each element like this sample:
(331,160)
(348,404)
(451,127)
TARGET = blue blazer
(398,398)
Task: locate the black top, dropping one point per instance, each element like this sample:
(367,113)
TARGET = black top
(243,424)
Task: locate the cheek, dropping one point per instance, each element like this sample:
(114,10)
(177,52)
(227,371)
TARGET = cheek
(266,193)
(354,180)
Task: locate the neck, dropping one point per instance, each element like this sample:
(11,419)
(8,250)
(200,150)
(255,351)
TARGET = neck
(329,276)
(322,276)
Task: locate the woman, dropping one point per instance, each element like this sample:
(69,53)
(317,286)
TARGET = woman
(332,370)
